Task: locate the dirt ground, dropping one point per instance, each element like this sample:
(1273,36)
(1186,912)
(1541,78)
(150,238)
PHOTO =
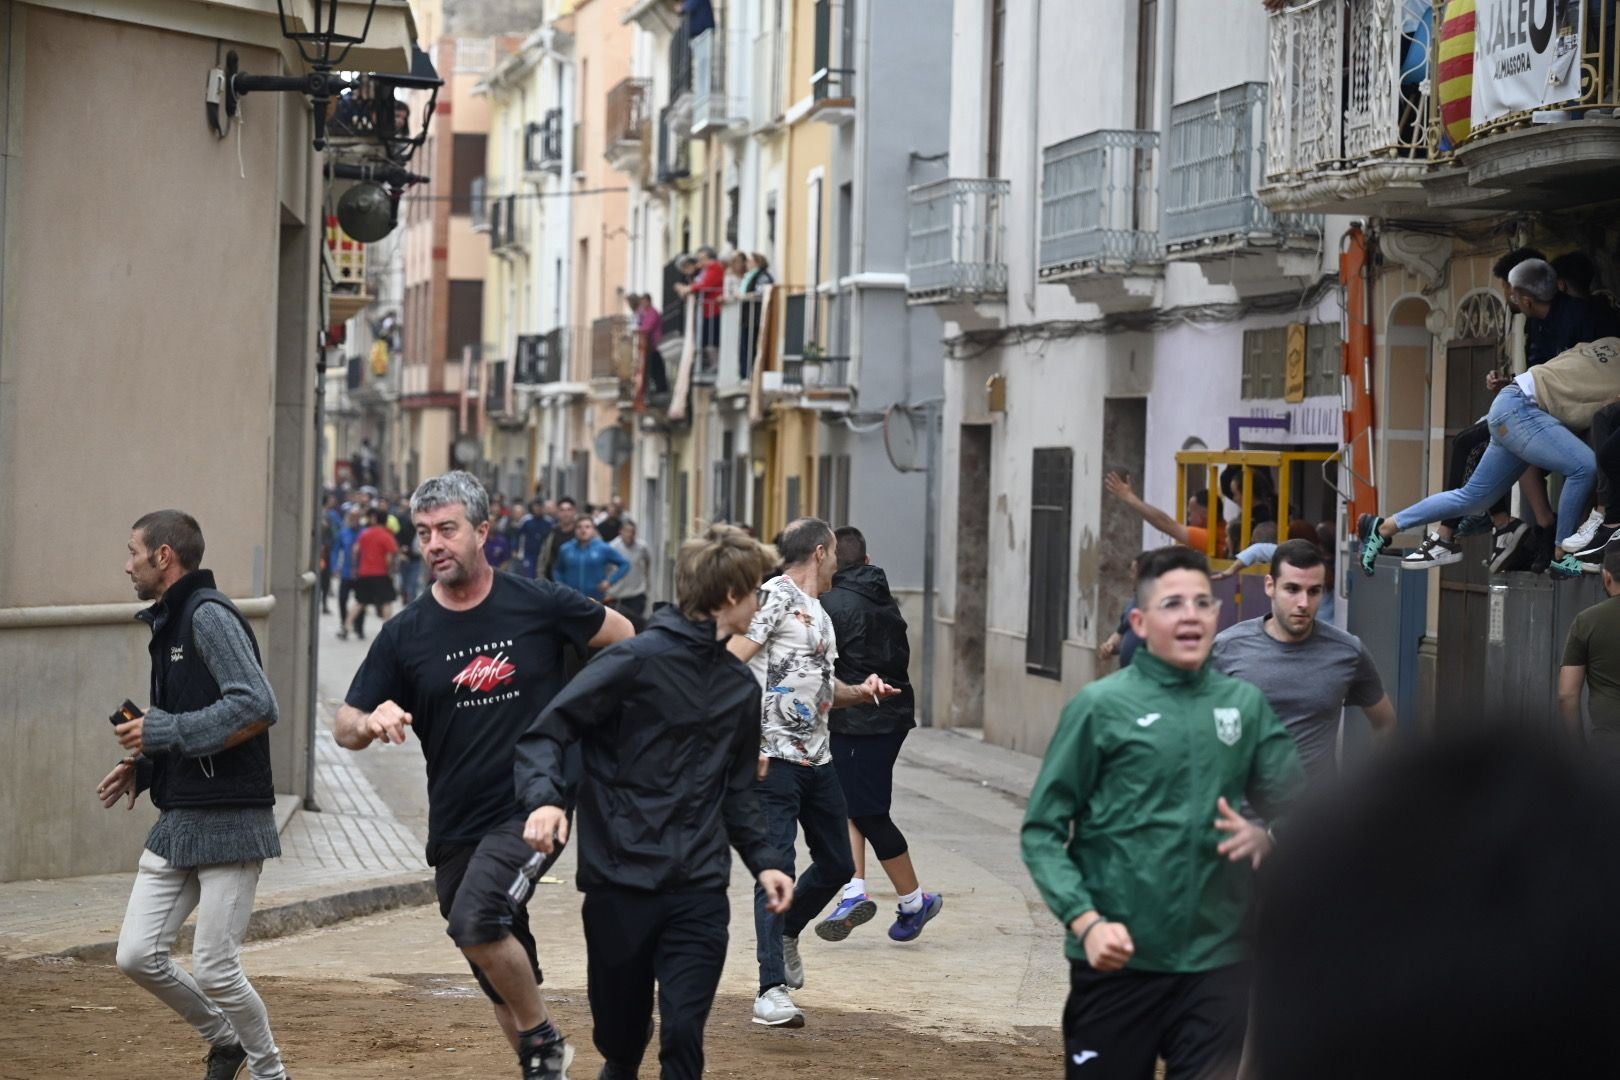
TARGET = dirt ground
(64,1018)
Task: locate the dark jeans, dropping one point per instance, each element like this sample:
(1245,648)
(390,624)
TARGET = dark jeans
(657,378)
(1115,1024)
(807,795)
(1466,449)
(1605,426)
(633,939)
(346,590)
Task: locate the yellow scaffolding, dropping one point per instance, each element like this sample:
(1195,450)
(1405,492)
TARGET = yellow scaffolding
(1216,460)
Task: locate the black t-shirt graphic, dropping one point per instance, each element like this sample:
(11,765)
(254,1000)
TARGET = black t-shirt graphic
(473,681)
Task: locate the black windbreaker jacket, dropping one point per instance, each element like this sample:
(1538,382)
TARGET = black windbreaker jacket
(669,726)
(871,640)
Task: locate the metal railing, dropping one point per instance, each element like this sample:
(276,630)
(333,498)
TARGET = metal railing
(680,62)
(497,402)
(1215,155)
(834,48)
(567,351)
(543,146)
(507,218)
(956,236)
(536,364)
(1350,81)
(1599,85)
(628,116)
(814,340)
(674,146)
(1099,201)
(716,102)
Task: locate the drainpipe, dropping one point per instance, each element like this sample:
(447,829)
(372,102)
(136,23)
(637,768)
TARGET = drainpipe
(1034,146)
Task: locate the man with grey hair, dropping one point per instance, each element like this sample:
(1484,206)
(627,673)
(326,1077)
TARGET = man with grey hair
(791,647)
(468,667)
(1555,320)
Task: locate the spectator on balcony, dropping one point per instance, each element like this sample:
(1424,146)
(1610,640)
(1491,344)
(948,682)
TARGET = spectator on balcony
(1193,533)
(736,271)
(649,331)
(753,288)
(582,563)
(1532,422)
(709,287)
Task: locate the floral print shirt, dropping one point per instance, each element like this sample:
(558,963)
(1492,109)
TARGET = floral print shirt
(794,667)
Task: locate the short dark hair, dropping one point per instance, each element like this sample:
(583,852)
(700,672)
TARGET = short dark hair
(176,529)
(1152,565)
(1611,561)
(851,546)
(568,501)
(801,538)
(1577,268)
(379,516)
(1500,268)
(1303,554)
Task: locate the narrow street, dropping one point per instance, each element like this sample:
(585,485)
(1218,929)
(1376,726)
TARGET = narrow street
(386,995)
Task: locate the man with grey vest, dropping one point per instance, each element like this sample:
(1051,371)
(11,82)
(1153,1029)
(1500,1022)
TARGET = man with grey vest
(203,752)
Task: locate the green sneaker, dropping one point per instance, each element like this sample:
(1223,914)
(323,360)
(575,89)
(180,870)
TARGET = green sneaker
(1372,541)
(1566,567)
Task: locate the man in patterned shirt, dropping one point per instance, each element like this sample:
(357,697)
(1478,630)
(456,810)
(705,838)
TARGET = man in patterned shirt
(791,647)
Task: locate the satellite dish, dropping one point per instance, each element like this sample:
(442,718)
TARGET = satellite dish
(613,446)
(900,437)
(466,451)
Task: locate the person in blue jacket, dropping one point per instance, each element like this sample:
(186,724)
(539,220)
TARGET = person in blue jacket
(582,563)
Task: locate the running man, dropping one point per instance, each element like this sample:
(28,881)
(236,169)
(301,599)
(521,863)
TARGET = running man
(1124,838)
(653,863)
(1308,669)
(792,648)
(866,740)
(1532,421)
(469,665)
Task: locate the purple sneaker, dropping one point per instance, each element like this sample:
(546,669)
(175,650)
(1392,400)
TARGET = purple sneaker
(909,924)
(850,913)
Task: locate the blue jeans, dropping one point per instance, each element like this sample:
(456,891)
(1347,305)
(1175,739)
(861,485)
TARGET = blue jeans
(1522,434)
(789,796)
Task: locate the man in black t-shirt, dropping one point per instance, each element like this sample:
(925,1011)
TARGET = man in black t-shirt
(469,665)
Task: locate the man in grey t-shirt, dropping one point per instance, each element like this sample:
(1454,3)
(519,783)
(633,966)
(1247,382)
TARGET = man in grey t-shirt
(1307,669)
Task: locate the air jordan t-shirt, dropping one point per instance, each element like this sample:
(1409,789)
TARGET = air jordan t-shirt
(473,681)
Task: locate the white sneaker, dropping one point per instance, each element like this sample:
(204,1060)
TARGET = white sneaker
(774,1008)
(1581,537)
(1433,552)
(792,963)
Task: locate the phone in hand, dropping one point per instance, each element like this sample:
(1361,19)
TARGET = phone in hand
(126,712)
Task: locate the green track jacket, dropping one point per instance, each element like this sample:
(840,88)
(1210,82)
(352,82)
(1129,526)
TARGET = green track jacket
(1122,815)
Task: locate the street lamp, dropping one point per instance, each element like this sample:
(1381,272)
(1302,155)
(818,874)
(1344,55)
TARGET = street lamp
(371,109)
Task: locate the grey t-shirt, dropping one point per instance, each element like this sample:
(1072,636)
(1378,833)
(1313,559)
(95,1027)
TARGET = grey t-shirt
(1306,682)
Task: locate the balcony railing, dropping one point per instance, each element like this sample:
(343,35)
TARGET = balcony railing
(507,219)
(815,341)
(1212,164)
(674,147)
(680,62)
(1351,82)
(613,349)
(536,363)
(497,400)
(1099,202)
(739,344)
(957,232)
(562,348)
(833,77)
(543,146)
(716,101)
(628,120)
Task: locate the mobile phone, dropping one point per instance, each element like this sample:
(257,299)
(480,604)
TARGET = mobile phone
(126,712)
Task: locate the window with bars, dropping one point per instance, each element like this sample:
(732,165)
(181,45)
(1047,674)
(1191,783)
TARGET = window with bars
(1265,362)
(1051,512)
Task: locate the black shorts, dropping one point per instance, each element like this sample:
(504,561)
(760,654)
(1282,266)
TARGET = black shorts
(1116,1024)
(484,891)
(378,590)
(865,767)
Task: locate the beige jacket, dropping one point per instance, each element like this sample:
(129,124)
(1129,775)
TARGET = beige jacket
(1575,384)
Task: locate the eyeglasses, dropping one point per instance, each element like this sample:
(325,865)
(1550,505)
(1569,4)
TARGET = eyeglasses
(1175,605)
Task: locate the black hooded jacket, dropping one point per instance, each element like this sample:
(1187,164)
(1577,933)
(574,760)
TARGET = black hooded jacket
(669,726)
(871,639)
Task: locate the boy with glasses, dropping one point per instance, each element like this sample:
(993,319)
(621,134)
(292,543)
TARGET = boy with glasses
(1133,837)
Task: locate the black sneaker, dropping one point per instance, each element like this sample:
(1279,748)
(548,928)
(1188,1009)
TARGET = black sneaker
(1505,543)
(1372,541)
(1542,553)
(547,1061)
(1593,552)
(1433,552)
(226,1063)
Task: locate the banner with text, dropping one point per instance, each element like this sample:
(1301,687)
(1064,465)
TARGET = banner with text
(1527,55)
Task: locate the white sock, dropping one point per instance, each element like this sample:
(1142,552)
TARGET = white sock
(911,903)
(855,889)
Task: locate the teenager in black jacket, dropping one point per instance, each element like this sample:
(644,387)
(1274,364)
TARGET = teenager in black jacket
(669,726)
(866,740)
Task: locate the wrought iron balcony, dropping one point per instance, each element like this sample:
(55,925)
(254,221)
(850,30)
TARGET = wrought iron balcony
(680,62)
(543,144)
(674,147)
(814,353)
(716,79)
(1212,166)
(957,232)
(833,83)
(1099,205)
(507,221)
(1354,111)
(629,118)
(537,364)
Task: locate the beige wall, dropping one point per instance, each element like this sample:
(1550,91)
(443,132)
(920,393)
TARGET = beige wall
(148,290)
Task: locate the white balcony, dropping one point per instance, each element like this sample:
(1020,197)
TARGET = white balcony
(955,250)
(719,82)
(1100,217)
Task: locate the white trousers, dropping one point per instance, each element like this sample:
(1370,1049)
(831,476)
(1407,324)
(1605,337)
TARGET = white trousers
(215,997)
